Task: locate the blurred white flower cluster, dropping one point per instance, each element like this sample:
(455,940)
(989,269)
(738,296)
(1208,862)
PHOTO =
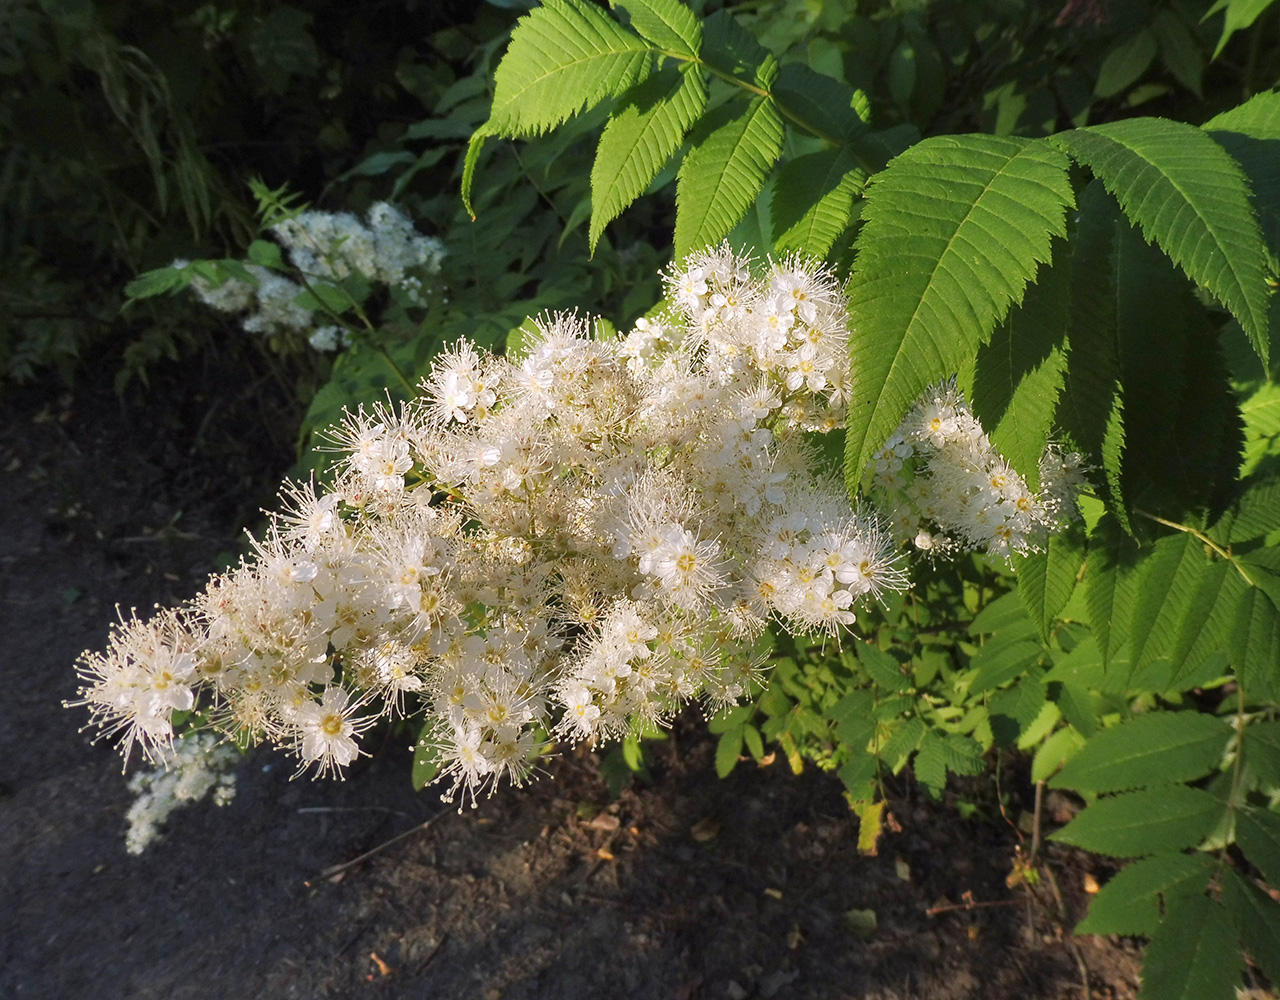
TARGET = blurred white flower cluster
(326,247)
(945,489)
(196,766)
(567,543)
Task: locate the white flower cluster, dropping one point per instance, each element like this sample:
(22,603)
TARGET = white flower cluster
(326,246)
(197,766)
(946,489)
(574,542)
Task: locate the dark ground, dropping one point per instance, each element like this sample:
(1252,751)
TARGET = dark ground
(521,898)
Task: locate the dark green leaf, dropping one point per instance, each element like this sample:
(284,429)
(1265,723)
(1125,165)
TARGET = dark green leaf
(1257,920)
(930,764)
(1130,903)
(1262,750)
(1110,584)
(728,48)
(1191,198)
(1000,662)
(1254,515)
(1091,411)
(727,751)
(1152,749)
(1145,822)
(883,668)
(1018,375)
(898,747)
(1168,582)
(157,282)
(1251,134)
(855,723)
(1205,627)
(266,254)
(1240,14)
(1258,836)
(1255,645)
(963,755)
(1179,50)
(1076,705)
(1005,614)
(813,200)
(1125,63)
(1046,579)
(817,103)
(1016,710)
(1193,955)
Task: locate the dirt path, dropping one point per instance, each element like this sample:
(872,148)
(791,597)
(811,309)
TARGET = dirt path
(534,894)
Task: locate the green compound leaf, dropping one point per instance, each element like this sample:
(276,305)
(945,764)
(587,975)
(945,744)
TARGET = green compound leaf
(1130,903)
(819,104)
(1111,585)
(883,668)
(953,229)
(1000,661)
(1262,750)
(1154,749)
(1251,134)
(641,136)
(930,764)
(899,746)
(731,50)
(1138,823)
(1168,583)
(1257,920)
(1193,955)
(1047,579)
(1255,514)
(963,755)
(564,56)
(1019,373)
(157,282)
(1205,628)
(1006,614)
(813,200)
(1258,836)
(1091,411)
(666,23)
(1189,196)
(724,171)
(941,752)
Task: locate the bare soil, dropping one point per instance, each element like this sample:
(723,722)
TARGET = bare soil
(549,891)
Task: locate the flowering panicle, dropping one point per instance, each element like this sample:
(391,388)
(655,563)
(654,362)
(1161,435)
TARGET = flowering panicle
(196,766)
(948,490)
(575,541)
(326,246)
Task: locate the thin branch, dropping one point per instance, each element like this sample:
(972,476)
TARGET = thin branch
(329,873)
(1200,536)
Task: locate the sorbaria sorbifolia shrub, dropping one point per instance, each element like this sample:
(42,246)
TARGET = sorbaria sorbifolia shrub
(574,541)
